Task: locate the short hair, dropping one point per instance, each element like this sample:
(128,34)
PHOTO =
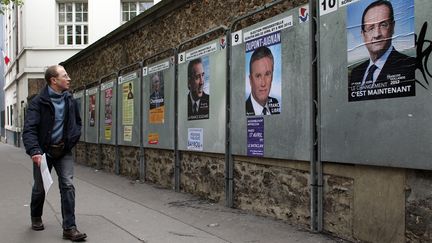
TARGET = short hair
(259,53)
(190,68)
(378,3)
(51,72)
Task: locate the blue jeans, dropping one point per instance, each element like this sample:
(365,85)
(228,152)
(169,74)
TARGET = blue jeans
(64,169)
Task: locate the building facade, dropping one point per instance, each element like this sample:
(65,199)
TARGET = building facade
(42,33)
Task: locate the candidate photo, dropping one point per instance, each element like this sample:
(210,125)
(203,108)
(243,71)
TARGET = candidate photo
(157,93)
(260,75)
(380,49)
(197,99)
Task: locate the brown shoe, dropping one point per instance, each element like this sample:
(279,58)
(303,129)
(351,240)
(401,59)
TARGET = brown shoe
(74,235)
(37,223)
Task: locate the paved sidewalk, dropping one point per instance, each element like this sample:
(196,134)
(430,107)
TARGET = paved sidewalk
(113,209)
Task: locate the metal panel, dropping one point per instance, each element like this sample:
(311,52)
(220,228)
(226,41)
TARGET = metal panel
(128,97)
(213,56)
(91,119)
(79,97)
(286,135)
(158,104)
(387,131)
(108,121)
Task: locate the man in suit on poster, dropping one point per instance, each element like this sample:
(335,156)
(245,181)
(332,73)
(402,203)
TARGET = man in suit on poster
(385,63)
(261,67)
(198,100)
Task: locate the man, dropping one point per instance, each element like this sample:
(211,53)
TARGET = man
(386,65)
(260,78)
(157,96)
(198,100)
(53,127)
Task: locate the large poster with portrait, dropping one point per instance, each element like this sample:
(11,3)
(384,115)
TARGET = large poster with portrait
(380,49)
(263,75)
(198,98)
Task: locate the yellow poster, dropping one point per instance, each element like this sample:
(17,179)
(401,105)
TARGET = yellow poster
(108,132)
(127,133)
(157,115)
(153,138)
(128,103)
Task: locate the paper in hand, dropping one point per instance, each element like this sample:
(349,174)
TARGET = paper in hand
(46,175)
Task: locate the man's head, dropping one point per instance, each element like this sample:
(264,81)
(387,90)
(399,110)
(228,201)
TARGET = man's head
(156,82)
(378,27)
(261,74)
(57,78)
(196,78)
(130,87)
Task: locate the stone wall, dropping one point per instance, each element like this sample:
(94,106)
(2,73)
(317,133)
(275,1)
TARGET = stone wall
(203,175)
(160,167)
(419,206)
(92,158)
(129,162)
(108,158)
(80,153)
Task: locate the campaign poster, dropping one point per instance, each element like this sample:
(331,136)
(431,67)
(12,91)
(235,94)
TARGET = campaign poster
(128,103)
(195,139)
(198,98)
(108,112)
(153,138)
(255,136)
(263,72)
(127,133)
(380,49)
(157,98)
(92,110)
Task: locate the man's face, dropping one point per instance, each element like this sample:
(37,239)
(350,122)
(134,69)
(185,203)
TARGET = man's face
(260,77)
(156,83)
(378,30)
(196,82)
(62,81)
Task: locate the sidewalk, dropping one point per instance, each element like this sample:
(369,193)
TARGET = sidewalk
(111,208)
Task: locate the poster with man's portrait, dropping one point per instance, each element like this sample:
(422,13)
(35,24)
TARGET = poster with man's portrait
(157,107)
(92,110)
(380,49)
(263,82)
(198,88)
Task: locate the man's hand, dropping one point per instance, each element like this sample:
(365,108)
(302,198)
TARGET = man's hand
(37,159)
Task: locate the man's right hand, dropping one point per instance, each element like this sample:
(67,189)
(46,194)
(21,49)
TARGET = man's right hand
(37,159)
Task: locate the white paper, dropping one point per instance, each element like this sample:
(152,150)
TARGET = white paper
(46,175)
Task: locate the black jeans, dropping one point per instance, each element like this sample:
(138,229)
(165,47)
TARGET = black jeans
(64,169)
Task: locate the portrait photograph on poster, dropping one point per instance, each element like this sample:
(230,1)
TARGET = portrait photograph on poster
(157,108)
(92,110)
(380,49)
(263,75)
(198,98)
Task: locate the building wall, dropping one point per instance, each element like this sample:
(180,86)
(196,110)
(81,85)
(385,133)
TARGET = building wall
(360,203)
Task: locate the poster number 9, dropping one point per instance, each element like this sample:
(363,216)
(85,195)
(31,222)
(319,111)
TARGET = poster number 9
(236,38)
(327,6)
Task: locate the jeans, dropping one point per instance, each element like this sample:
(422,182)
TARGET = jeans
(64,169)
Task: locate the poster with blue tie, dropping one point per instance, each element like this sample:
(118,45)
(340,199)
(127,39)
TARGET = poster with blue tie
(381,54)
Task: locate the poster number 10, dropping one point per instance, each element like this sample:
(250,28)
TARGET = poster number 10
(327,6)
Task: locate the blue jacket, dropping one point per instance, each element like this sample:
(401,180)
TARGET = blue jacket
(40,120)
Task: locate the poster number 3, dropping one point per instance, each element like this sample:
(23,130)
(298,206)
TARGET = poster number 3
(327,6)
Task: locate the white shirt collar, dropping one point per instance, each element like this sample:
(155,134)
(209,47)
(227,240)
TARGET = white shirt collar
(194,101)
(258,108)
(379,63)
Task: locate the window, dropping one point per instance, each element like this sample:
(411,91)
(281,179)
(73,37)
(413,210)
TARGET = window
(132,9)
(73,23)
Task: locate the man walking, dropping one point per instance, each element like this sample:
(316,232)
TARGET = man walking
(53,127)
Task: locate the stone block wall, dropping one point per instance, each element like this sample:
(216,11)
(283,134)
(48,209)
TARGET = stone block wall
(203,175)
(160,167)
(270,190)
(418,206)
(80,153)
(108,158)
(129,162)
(92,155)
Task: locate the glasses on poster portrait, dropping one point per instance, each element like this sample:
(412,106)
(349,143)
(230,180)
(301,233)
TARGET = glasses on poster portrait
(370,28)
(199,76)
